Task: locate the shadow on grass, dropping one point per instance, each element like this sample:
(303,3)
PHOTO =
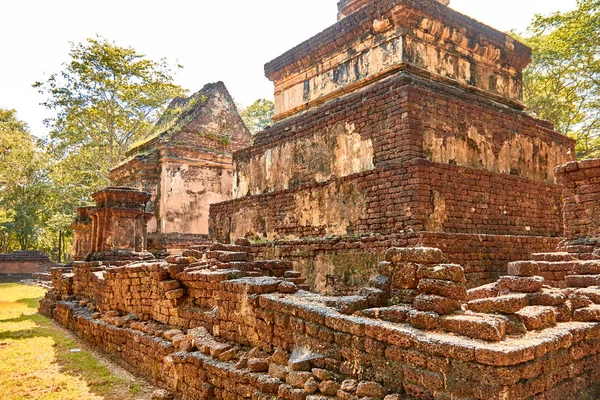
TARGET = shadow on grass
(32,303)
(24,333)
(80,364)
(23,318)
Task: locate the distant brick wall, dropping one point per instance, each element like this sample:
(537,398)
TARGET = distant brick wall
(24,262)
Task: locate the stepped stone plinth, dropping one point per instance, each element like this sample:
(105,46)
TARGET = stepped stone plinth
(401,124)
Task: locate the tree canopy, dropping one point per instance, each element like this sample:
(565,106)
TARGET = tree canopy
(105,99)
(562,84)
(259,115)
(23,184)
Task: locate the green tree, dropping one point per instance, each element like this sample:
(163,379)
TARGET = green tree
(106,98)
(259,115)
(562,84)
(23,184)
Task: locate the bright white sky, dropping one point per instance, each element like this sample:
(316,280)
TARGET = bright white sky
(228,40)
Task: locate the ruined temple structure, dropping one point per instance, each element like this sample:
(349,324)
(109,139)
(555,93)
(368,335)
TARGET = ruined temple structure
(402,124)
(115,229)
(185,164)
(401,232)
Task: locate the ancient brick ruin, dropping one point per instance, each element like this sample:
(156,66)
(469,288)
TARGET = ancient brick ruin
(115,229)
(185,165)
(403,231)
(402,124)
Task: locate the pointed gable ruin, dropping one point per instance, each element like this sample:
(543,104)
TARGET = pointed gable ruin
(185,164)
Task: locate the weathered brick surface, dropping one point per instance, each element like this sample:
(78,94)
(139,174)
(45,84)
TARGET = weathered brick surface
(410,188)
(185,164)
(400,113)
(421,27)
(351,260)
(82,234)
(581,200)
(233,336)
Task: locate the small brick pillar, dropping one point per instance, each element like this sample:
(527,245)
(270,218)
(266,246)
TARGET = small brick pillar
(119,223)
(581,201)
(82,234)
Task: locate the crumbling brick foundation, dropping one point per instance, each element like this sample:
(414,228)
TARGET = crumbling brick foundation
(228,324)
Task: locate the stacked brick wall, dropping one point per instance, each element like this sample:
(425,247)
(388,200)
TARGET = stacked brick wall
(421,196)
(377,114)
(581,195)
(397,112)
(228,333)
(458,128)
(384,191)
(558,374)
(145,353)
(555,267)
(466,200)
(88,279)
(444,161)
(384,114)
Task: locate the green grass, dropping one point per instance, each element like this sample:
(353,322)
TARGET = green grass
(36,361)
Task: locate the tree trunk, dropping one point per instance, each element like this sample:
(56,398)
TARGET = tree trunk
(60,240)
